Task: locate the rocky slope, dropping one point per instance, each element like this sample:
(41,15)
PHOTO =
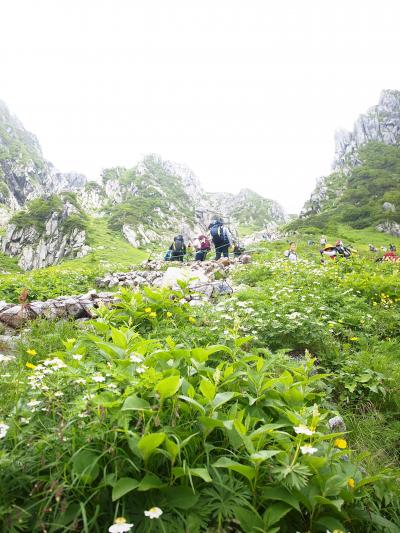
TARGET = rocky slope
(24,173)
(45,233)
(381,123)
(148,203)
(365,180)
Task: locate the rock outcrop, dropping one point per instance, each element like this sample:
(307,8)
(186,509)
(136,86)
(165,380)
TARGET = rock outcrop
(75,307)
(380,123)
(38,248)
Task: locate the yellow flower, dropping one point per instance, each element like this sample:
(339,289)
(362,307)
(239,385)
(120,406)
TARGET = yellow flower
(351,483)
(31,352)
(192,320)
(354,338)
(120,520)
(340,443)
(169,314)
(153,315)
(147,310)
(30,365)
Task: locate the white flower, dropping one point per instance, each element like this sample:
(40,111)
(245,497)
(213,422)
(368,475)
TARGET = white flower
(303,430)
(3,430)
(98,379)
(308,450)
(56,363)
(141,369)
(33,403)
(77,356)
(5,358)
(120,526)
(24,420)
(58,394)
(80,381)
(154,512)
(136,358)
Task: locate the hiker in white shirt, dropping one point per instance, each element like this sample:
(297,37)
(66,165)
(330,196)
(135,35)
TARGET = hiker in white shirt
(291,253)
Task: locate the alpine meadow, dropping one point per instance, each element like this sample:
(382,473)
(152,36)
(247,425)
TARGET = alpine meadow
(175,360)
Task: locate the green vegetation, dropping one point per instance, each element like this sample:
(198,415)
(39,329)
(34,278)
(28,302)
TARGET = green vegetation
(156,197)
(255,211)
(358,199)
(17,144)
(110,252)
(38,211)
(215,414)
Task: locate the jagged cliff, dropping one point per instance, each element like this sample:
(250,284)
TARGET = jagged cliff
(364,188)
(381,123)
(24,173)
(45,233)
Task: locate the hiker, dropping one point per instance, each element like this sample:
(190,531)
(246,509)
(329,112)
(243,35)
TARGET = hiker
(391,256)
(323,241)
(392,247)
(202,246)
(335,251)
(178,249)
(291,254)
(221,238)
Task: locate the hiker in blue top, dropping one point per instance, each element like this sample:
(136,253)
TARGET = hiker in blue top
(220,237)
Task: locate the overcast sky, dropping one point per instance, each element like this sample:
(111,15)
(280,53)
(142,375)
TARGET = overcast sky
(246,93)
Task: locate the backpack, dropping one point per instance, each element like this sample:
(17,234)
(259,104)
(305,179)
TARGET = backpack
(217,234)
(178,244)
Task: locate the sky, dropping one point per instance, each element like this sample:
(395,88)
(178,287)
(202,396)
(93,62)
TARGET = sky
(245,93)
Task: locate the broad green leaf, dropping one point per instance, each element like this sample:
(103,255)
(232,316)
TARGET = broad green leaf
(167,387)
(107,399)
(123,486)
(243,340)
(329,523)
(223,397)
(172,448)
(196,404)
(246,471)
(202,473)
(133,403)
(181,497)
(149,443)
(211,423)
(281,494)
(337,504)
(207,389)
(150,481)
(263,455)
(119,338)
(250,521)
(275,512)
(84,465)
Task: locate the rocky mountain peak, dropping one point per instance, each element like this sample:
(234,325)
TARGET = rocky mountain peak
(380,123)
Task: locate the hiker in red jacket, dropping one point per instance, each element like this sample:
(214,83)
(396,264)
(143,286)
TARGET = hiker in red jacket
(202,246)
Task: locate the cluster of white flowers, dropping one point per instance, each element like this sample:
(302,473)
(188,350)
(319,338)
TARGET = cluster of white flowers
(3,430)
(136,358)
(98,378)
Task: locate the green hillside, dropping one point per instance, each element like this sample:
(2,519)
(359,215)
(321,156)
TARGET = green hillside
(369,195)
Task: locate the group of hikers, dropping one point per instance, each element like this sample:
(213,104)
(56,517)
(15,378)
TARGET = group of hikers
(338,250)
(220,236)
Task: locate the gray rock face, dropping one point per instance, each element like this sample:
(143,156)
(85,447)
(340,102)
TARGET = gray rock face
(37,250)
(380,123)
(391,227)
(24,173)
